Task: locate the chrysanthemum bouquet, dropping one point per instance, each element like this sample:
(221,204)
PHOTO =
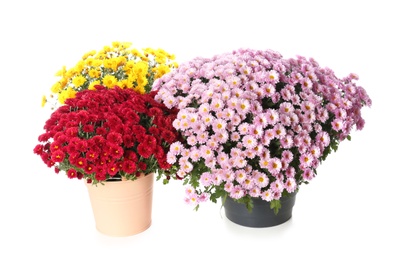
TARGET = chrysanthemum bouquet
(256,125)
(108,133)
(115,65)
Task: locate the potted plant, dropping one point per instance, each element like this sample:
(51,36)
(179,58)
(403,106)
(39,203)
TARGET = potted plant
(116,140)
(255,127)
(116,65)
(139,133)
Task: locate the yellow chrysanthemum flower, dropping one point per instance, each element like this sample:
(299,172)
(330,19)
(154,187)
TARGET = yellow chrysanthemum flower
(125,84)
(44,101)
(139,89)
(118,64)
(109,81)
(90,53)
(161,70)
(78,81)
(61,72)
(116,44)
(136,53)
(142,81)
(111,64)
(65,94)
(90,62)
(141,68)
(94,83)
(56,88)
(94,73)
(129,66)
(80,66)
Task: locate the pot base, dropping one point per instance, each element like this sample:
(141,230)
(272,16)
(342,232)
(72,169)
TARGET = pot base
(261,215)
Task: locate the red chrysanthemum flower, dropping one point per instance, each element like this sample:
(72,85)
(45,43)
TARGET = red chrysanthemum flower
(71,173)
(105,132)
(58,156)
(129,166)
(145,150)
(39,149)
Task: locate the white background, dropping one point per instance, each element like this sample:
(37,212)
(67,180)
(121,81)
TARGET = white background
(353,209)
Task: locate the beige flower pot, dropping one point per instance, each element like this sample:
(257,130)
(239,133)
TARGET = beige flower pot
(122,208)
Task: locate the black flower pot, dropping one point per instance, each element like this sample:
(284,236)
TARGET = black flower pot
(261,215)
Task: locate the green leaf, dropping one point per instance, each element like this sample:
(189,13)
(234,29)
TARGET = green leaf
(275,205)
(250,205)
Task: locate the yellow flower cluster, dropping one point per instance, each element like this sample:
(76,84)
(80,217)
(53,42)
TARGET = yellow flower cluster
(115,65)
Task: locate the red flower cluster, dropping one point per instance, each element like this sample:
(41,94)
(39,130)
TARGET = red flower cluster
(108,132)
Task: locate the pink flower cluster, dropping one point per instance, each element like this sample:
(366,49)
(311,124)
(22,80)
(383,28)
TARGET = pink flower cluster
(256,125)
(108,132)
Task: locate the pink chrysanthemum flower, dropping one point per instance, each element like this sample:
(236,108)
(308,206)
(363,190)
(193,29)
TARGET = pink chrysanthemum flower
(279,131)
(250,153)
(275,165)
(286,142)
(276,195)
(236,120)
(202,137)
(249,141)
(228,114)
(261,120)
(308,174)
(256,130)
(192,199)
(306,160)
(273,76)
(192,140)
(244,128)
(290,185)
(277,185)
(240,176)
(203,197)
(286,108)
(337,124)
(229,186)
(170,157)
(287,156)
(265,162)
(181,174)
(248,184)
(237,192)
(235,137)
(170,102)
(219,125)
(212,143)
(254,192)
(189,190)
(206,152)
(290,172)
(204,109)
(323,139)
(206,179)
(341,113)
(315,151)
(269,134)
(176,148)
(267,195)
(217,104)
(240,162)
(187,167)
(261,179)
(221,137)
(232,103)
(243,106)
